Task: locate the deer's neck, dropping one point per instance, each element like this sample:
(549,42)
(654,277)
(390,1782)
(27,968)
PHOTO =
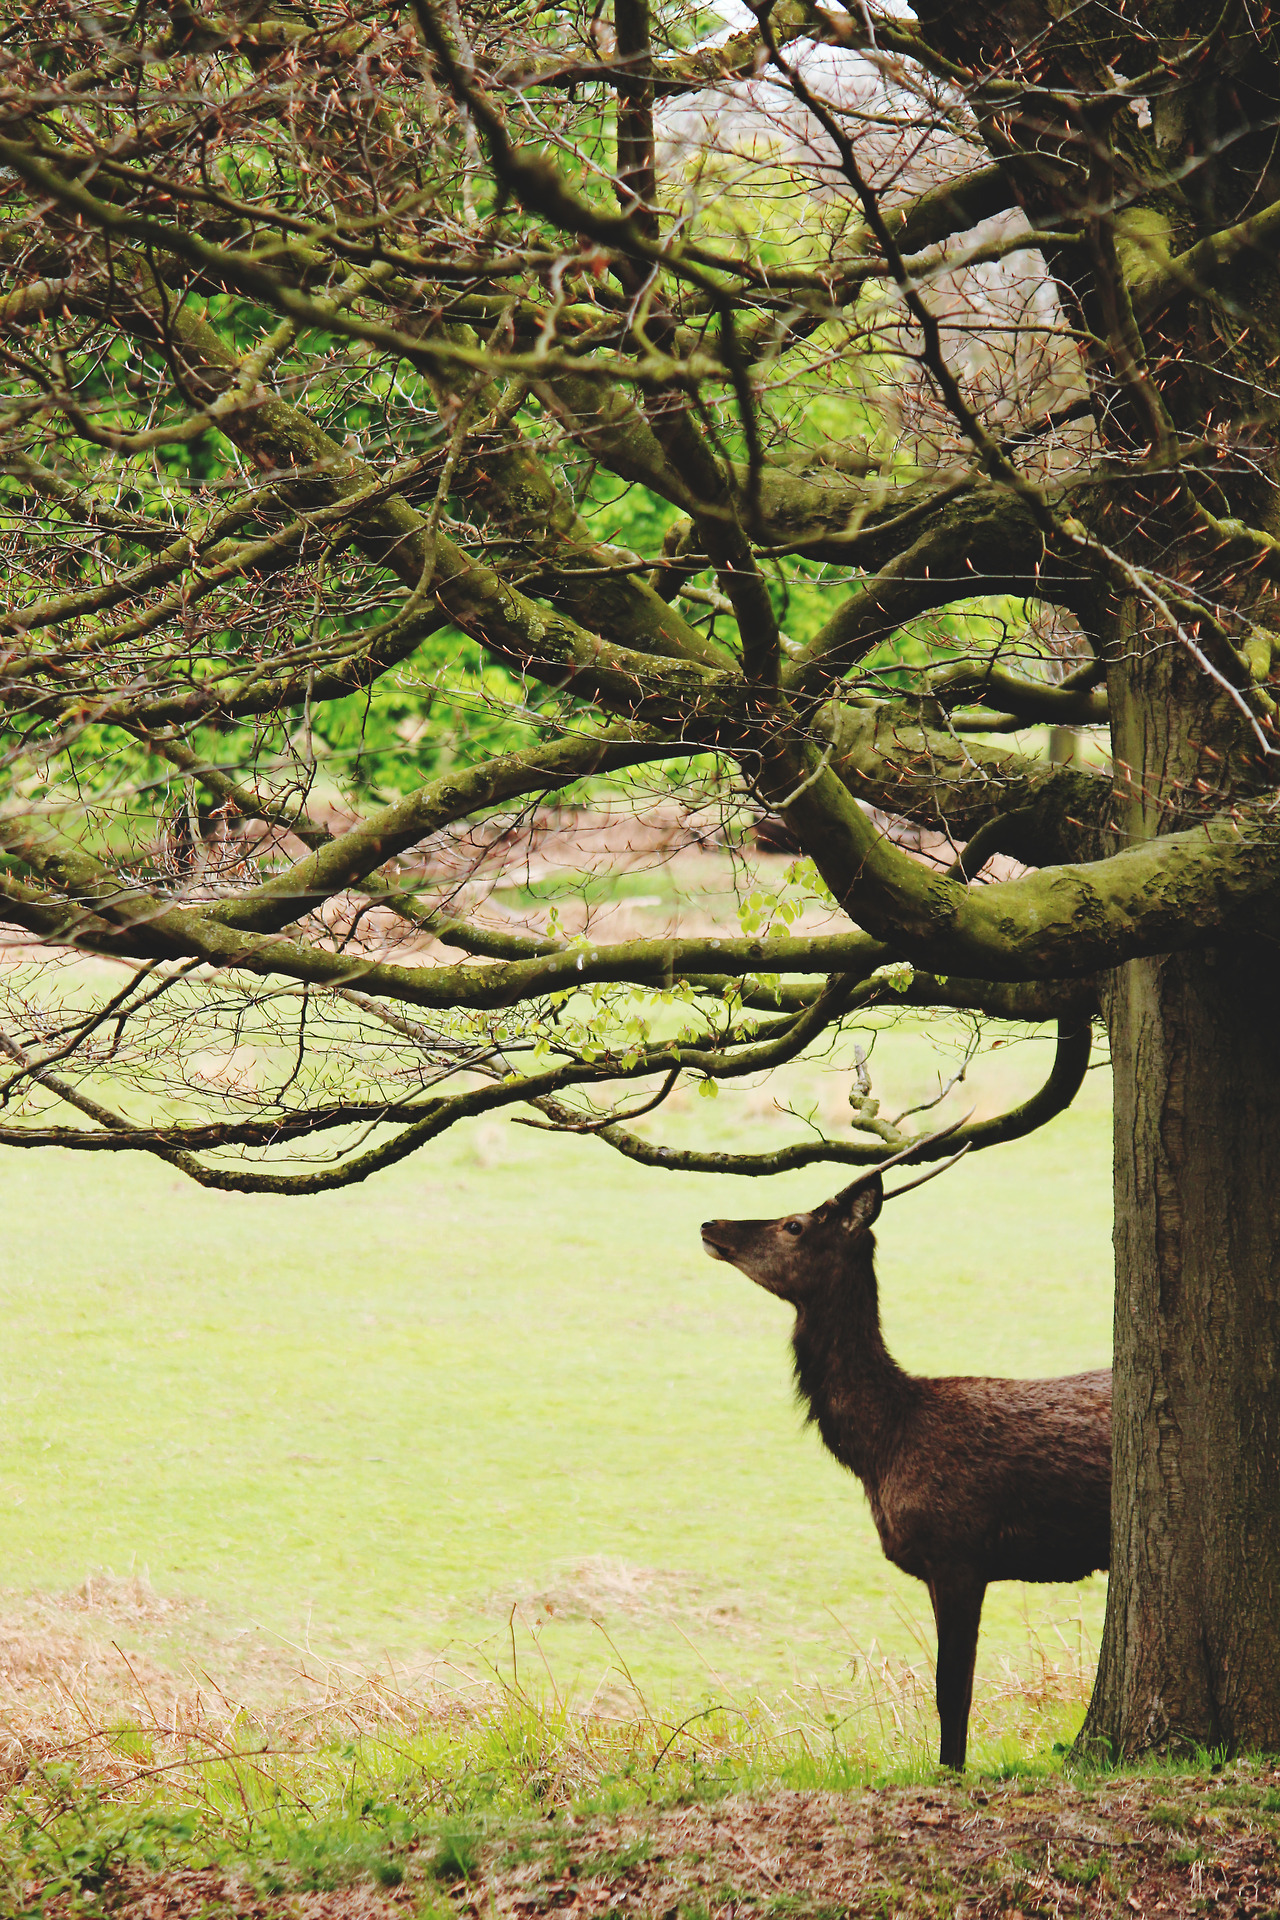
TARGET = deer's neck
(857,1394)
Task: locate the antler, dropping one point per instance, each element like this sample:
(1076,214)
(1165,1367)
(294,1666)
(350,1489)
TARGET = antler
(906,1153)
(933,1171)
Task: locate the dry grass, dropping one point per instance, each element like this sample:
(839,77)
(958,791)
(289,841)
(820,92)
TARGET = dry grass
(362,1800)
(75,1690)
(145,1794)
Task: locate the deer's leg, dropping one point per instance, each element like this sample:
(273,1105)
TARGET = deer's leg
(957,1598)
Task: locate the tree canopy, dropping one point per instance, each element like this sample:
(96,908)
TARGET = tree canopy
(418,414)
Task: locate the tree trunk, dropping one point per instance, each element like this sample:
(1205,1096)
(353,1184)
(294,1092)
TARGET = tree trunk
(1191,1644)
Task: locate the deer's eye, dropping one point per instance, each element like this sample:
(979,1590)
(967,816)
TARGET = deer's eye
(794,1226)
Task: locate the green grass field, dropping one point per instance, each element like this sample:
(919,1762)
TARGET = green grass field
(505,1375)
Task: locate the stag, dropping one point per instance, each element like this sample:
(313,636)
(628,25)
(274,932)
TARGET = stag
(969,1480)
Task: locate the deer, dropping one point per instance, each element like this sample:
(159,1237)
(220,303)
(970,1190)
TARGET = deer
(969,1480)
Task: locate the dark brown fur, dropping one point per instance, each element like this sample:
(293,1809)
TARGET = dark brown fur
(969,1480)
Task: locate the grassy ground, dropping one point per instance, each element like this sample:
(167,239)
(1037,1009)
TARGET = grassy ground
(453,1545)
(505,1375)
(367,1812)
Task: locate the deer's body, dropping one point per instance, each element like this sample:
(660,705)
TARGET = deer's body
(1010,1477)
(969,1480)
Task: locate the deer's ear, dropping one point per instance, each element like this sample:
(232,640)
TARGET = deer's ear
(861,1203)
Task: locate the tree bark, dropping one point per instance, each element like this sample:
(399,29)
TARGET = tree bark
(1191,1644)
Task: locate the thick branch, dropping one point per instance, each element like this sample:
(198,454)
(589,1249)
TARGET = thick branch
(1070,1064)
(1211,265)
(980,542)
(1166,895)
(343,862)
(887,755)
(1028,701)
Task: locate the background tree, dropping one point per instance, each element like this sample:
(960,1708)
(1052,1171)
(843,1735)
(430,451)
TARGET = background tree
(415,412)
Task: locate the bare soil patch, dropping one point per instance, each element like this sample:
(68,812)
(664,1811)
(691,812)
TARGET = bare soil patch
(210,1894)
(1048,1848)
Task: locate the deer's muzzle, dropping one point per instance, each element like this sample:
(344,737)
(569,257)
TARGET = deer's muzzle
(717,1239)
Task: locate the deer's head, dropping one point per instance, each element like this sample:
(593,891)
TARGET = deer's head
(795,1255)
